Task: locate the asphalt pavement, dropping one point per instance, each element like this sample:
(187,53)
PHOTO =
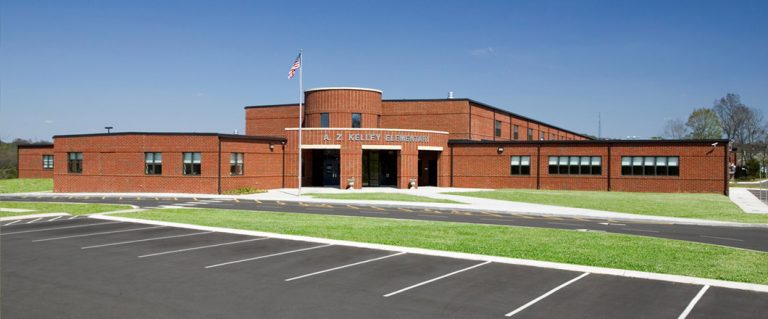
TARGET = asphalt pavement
(752,238)
(89,268)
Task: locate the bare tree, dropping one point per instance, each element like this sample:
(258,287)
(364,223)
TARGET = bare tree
(675,129)
(704,124)
(732,114)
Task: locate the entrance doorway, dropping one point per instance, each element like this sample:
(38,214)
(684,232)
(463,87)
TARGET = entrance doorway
(428,168)
(379,168)
(325,168)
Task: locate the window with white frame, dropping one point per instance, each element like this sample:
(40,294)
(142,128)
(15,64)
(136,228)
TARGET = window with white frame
(650,166)
(192,163)
(236,164)
(47,161)
(520,165)
(153,163)
(575,165)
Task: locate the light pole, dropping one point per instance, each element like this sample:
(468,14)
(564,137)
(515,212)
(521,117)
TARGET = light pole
(109,129)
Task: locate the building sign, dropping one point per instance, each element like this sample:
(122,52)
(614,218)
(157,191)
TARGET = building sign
(365,137)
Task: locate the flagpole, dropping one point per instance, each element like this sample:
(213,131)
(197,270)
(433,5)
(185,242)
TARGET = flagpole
(301,114)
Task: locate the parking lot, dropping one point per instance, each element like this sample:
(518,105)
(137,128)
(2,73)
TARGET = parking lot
(90,268)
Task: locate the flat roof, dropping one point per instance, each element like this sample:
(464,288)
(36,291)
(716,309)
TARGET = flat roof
(588,142)
(490,107)
(220,135)
(342,88)
(39,145)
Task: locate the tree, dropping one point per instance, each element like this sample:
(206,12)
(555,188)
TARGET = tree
(675,129)
(732,114)
(704,124)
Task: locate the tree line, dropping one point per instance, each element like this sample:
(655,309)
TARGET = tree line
(728,118)
(8,164)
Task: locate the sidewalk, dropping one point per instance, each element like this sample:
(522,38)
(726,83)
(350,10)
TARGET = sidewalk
(747,201)
(468,203)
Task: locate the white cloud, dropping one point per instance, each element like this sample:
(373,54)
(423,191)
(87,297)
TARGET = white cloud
(483,52)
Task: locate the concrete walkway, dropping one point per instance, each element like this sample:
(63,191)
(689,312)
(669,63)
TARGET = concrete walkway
(747,201)
(466,203)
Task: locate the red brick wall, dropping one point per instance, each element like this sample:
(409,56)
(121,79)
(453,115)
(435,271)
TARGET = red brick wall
(115,163)
(30,163)
(441,115)
(340,104)
(271,120)
(262,169)
(702,167)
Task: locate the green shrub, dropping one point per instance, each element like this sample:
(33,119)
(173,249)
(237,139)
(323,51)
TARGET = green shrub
(244,190)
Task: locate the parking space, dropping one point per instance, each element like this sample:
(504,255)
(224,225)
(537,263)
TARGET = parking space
(86,268)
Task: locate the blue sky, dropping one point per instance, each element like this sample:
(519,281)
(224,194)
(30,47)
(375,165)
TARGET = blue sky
(77,66)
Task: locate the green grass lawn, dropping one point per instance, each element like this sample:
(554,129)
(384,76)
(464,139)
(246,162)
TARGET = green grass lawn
(23,185)
(701,206)
(383,196)
(71,208)
(565,246)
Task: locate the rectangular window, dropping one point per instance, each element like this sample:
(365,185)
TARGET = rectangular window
(357,120)
(47,161)
(520,165)
(75,162)
(497,126)
(530,134)
(236,164)
(650,166)
(517,128)
(153,163)
(324,120)
(192,164)
(541,136)
(575,165)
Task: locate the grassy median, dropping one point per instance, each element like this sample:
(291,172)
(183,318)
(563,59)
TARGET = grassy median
(383,196)
(25,185)
(71,208)
(701,206)
(565,246)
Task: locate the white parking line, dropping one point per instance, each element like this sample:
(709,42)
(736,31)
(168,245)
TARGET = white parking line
(723,238)
(55,228)
(530,303)
(96,234)
(267,256)
(641,230)
(55,218)
(201,247)
(34,220)
(345,266)
(435,279)
(143,240)
(13,222)
(73,217)
(693,302)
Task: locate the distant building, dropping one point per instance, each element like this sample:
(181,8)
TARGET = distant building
(353,138)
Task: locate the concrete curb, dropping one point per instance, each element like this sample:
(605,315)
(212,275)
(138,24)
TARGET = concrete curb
(3,219)
(457,255)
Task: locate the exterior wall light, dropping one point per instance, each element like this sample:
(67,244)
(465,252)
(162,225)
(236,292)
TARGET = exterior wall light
(271,146)
(500,149)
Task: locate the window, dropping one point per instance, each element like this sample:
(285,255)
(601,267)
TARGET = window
(153,163)
(324,121)
(75,162)
(236,164)
(575,165)
(530,134)
(541,136)
(497,126)
(650,165)
(47,161)
(520,165)
(192,165)
(517,128)
(552,136)
(357,119)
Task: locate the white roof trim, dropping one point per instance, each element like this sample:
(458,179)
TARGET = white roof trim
(320,146)
(430,148)
(362,129)
(383,147)
(342,88)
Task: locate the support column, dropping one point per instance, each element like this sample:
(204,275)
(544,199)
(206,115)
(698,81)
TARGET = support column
(407,166)
(351,162)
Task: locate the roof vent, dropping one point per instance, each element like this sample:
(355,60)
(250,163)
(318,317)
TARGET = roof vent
(450,94)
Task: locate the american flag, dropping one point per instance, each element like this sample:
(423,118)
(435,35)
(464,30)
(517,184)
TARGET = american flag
(296,66)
